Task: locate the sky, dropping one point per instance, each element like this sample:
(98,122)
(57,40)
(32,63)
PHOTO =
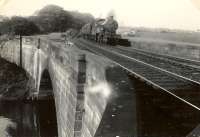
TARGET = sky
(173,14)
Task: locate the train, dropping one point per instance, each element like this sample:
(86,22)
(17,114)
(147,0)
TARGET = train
(104,31)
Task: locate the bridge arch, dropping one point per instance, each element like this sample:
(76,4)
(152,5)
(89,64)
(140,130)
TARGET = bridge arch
(46,107)
(45,86)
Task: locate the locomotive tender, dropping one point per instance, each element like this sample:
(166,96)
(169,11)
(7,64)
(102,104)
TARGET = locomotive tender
(104,31)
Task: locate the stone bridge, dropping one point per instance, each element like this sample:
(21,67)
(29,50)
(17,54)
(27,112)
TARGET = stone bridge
(83,86)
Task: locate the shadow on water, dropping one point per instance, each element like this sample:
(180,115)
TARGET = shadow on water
(47,122)
(138,110)
(22,119)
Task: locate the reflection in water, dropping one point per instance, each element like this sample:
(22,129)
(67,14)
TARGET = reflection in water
(20,119)
(5,126)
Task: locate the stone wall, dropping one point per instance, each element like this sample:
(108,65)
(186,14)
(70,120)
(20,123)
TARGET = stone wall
(97,92)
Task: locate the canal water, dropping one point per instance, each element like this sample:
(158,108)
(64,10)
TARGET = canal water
(25,119)
(20,117)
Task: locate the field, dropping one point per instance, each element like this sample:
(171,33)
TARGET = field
(160,35)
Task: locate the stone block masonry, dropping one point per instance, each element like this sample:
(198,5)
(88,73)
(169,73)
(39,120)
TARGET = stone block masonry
(77,107)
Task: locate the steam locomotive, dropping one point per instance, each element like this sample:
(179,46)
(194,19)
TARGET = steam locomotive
(104,31)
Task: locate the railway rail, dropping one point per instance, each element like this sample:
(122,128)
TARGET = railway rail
(185,61)
(185,68)
(183,88)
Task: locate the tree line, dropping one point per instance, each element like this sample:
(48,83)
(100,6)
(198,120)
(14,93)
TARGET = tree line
(49,19)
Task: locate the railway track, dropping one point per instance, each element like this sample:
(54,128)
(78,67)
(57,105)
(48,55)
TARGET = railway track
(182,67)
(182,88)
(188,62)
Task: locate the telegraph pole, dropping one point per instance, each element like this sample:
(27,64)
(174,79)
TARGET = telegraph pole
(20,39)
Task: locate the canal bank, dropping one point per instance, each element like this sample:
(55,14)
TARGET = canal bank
(13,81)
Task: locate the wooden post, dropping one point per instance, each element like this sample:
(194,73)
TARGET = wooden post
(20,37)
(39,43)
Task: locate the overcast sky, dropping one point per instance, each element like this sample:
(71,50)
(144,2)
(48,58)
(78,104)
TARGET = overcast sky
(180,14)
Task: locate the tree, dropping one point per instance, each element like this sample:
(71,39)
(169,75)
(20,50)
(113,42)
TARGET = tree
(53,18)
(21,25)
(18,26)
